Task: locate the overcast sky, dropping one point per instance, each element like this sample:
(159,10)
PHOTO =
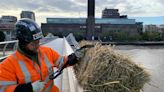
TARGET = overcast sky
(78,8)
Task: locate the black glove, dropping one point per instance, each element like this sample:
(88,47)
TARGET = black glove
(72,59)
(24,88)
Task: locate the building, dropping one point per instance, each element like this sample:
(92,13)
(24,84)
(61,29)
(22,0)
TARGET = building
(151,27)
(7,26)
(112,13)
(77,26)
(28,14)
(104,27)
(7,19)
(161,29)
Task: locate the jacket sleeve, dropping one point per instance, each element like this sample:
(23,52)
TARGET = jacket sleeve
(56,58)
(62,60)
(8,79)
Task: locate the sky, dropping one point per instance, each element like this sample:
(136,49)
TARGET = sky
(147,11)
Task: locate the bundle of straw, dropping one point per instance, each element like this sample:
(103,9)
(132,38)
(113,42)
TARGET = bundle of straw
(104,70)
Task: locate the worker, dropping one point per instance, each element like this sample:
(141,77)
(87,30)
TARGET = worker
(29,67)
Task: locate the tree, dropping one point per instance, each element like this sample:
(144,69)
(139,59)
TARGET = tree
(151,36)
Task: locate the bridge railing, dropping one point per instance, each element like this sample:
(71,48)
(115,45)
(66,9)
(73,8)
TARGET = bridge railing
(12,45)
(7,46)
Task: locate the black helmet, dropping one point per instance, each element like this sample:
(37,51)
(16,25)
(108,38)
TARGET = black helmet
(27,31)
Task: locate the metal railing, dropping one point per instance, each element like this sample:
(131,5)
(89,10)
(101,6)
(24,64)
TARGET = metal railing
(7,46)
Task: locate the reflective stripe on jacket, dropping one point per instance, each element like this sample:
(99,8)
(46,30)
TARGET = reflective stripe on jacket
(19,69)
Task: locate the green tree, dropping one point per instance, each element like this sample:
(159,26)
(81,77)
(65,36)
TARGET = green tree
(152,36)
(135,37)
(78,35)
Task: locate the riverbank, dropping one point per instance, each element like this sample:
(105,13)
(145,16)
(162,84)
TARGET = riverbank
(141,43)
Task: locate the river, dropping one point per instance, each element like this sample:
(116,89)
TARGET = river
(152,58)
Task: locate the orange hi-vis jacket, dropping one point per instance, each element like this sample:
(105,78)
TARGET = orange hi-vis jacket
(19,69)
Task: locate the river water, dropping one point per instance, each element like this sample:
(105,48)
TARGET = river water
(152,58)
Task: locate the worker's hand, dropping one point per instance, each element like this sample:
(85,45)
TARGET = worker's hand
(38,86)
